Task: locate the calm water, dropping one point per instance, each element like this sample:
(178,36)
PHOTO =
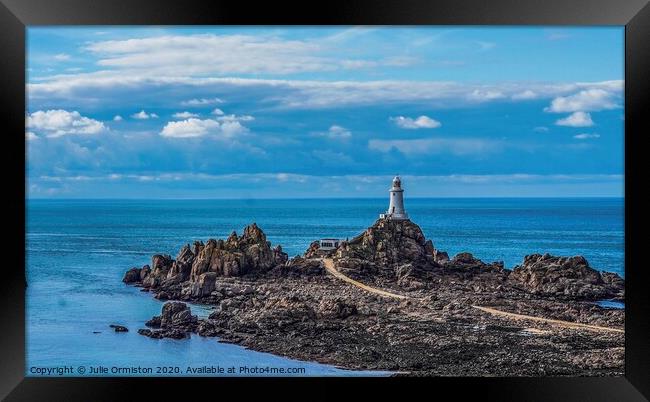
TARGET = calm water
(78,250)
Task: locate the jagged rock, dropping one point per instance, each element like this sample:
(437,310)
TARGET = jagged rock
(465,258)
(183,276)
(389,242)
(237,255)
(175,314)
(144,272)
(204,285)
(175,321)
(132,275)
(566,277)
(153,322)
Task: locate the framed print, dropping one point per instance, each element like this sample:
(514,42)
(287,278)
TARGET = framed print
(225,193)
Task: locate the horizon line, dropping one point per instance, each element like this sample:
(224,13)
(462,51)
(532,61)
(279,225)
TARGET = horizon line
(312,198)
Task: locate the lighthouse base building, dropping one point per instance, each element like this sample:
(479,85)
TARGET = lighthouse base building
(396,210)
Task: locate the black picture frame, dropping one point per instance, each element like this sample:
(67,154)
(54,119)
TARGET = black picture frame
(16,15)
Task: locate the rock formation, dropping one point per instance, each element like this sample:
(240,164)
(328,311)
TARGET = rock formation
(398,250)
(175,321)
(195,269)
(566,277)
(295,308)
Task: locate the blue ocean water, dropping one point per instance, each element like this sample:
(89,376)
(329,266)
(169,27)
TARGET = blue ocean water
(78,250)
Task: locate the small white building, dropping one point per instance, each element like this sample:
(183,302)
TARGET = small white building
(396,210)
(329,244)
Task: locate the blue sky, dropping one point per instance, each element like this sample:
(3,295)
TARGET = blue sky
(241,112)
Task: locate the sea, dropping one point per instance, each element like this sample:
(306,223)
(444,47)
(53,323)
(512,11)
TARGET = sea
(78,250)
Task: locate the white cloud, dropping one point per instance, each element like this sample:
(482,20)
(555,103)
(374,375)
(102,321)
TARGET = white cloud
(184,115)
(461,146)
(586,136)
(525,95)
(414,124)
(541,129)
(234,118)
(142,115)
(232,128)
(111,86)
(588,100)
(61,57)
(211,54)
(335,132)
(57,123)
(202,102)
(117,118)
(193,128)
(482,95)
(29,136)
(577,119)
(217,112)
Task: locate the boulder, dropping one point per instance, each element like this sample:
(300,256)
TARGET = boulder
(176,314)
(565,277)
(132,276)
(119,328)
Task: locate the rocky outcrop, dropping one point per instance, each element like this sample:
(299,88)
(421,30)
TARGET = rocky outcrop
(390,243)
(293,308)
(385,249)
(399,251)
(193,272)
(566,277)
(175,321)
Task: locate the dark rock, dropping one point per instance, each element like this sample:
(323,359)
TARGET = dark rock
(132,275)
(162,295)
(336,308)
(565,277)
(299,266)
(153,322)
(465,258)
(385,246)
(119,328)
(175,321)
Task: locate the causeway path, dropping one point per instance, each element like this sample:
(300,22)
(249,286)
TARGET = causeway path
(331,269)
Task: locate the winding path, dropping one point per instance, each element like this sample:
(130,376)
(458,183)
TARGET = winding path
(566,324)
(331,269)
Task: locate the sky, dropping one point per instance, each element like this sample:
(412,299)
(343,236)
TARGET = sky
(309,112)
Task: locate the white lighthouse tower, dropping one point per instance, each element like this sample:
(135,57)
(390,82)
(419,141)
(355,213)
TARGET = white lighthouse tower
(396,210)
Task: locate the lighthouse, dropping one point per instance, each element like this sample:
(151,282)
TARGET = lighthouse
(396,210)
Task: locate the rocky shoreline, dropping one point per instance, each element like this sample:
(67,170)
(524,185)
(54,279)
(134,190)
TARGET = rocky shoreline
(292,307)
